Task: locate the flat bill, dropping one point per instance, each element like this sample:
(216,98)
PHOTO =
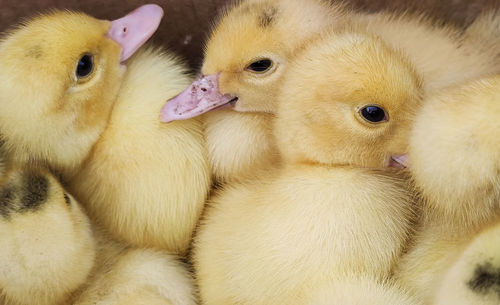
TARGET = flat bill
(133,30)
(202,96)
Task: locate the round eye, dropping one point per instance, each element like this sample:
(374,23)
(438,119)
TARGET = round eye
(373,114)
(260,66)
(85,66)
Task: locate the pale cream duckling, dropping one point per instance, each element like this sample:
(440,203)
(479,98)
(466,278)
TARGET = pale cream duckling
(245,57)
(455,161)
(52,255)
(334,211)
(66,100)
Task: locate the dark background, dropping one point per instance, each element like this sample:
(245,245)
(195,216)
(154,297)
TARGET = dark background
(187,22)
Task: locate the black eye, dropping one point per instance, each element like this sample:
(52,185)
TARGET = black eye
(85,66)
(373,114)
(260,66)
(67,199)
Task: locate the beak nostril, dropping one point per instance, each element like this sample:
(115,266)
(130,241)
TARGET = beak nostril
(204,89)
(124,29)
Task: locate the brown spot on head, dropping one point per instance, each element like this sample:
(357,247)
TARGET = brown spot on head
(267,17)
(486,279)
(34,52)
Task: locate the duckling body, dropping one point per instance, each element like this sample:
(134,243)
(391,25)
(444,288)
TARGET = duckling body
(94,120)
(331,211)
(456,168)
(274,241)
(52,254)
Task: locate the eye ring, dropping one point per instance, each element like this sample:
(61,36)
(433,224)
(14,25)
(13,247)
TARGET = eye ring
(373,114)
(260,66)
(84,66)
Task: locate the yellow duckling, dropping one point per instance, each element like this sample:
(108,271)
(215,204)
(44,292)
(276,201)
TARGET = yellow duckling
(454,159)
(52,255)
(245,58)
(68,101)
(334,211)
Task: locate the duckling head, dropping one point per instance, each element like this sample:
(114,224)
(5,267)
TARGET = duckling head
(348,99)
(59,76)
(247,53)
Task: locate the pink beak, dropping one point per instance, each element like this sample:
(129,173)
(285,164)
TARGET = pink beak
(202,96)
(133,30)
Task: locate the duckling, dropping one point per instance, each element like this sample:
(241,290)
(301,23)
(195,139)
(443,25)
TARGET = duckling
(52,254)
(60,74)
(454,161)
(94,119)
(333,209)
(245,57)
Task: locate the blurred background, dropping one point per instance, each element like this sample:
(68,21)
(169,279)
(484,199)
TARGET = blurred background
(187,22)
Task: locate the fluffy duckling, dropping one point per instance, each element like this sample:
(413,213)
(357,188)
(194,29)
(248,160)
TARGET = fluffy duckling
(444,55)
(334,209)
(68,101)
(245,57)
(51,254)
(60,74)
(455,162)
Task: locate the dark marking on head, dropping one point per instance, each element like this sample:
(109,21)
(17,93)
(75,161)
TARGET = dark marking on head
(7,196)
(267,17)
(486,279)
(35,192)
(67,199)
(34,52)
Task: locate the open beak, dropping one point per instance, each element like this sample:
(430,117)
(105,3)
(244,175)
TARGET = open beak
(202,96)
(133,30)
